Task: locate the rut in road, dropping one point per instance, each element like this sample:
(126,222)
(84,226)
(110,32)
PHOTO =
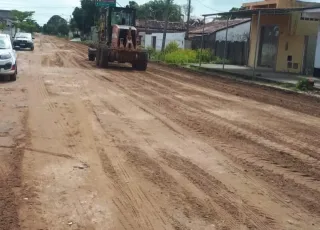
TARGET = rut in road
(161,149)
(284,161)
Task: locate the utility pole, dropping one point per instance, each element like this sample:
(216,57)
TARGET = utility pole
(83,15)
(166,15)
(188,20)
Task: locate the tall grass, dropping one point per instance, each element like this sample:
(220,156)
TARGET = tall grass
(181,57)
(174,55)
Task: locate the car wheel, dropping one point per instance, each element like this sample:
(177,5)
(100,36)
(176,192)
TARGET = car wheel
(32,48)
(13,77)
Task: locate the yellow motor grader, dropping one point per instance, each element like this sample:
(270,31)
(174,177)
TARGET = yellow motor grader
(118,40)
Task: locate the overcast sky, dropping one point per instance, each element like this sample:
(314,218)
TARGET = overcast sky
(46,8)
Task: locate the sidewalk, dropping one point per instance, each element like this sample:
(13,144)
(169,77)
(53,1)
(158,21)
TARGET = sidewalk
(262,74)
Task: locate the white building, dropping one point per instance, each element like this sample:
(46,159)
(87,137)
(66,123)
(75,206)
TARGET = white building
(154,40)
(6,19)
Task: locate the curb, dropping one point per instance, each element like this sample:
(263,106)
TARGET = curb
(243,76)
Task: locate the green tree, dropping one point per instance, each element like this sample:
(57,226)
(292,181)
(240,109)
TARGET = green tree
(85,16)
(233,9)
(63,29)
(56,25)
(24,21)
(154,10)
(133,4)
(2,25)
(73,25)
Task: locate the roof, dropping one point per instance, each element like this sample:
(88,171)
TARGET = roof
(217,25)
(154,24)
(249,13)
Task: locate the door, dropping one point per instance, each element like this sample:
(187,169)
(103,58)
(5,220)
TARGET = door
(154,42)
(269,37)
(309,54)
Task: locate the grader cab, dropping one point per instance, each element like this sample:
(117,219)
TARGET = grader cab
(118,40)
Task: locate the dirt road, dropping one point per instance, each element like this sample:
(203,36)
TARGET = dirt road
(87,148)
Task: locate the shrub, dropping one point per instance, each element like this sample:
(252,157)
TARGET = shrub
(206,55)
(181,57)
(153,54)
(171,47)
(151,51)
(159,56)
(305,84)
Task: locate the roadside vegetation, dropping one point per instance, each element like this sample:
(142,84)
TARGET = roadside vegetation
(56,25)
(24,21)
(305,84)
(175,55)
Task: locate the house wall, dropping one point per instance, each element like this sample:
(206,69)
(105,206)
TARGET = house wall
(10,30)
(177,37)
(236,33)
(285,3)
(302,27)
(291,39)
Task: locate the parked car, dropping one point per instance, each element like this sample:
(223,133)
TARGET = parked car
(23,41)
(8,58)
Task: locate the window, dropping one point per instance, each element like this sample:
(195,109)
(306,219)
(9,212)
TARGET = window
(23,35)
(307,18)
(121,18)
(5,43)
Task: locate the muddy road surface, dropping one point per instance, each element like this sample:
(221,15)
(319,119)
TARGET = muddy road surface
(89,148)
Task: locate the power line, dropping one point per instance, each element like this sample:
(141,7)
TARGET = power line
(208,7)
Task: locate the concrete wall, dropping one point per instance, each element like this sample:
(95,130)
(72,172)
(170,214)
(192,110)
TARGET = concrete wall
(237,33)
(291,39)
(177,37)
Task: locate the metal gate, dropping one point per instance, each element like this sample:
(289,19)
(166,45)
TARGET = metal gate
(309,54)
(268,49)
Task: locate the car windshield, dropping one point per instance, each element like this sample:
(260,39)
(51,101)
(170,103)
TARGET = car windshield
(5,43)
(121,18)
(23,36)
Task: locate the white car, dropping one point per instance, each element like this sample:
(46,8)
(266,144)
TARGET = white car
(8,58)
(23,41)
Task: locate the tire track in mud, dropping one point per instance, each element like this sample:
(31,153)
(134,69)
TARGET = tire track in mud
(245,90)
(239,209)
(130,199)
(214,101)
(260,130)
(281,173)
(239,132)
(11,187)
(153,172)
(225,206)
(179,196)
(67,144)
(275,175)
